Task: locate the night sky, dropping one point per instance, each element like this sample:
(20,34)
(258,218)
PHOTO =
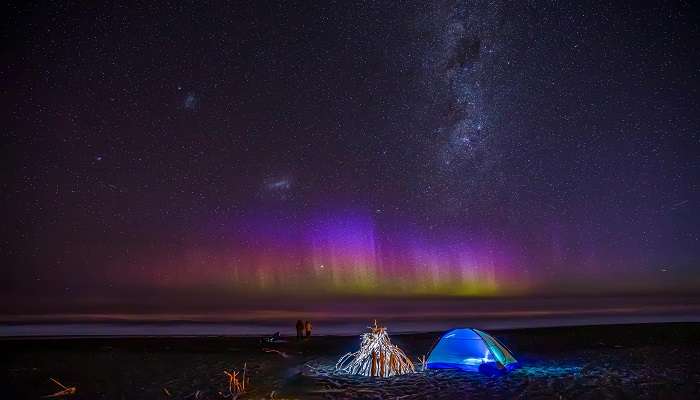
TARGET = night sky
(186,156)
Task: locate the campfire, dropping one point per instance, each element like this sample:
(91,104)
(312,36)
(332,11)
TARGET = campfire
(376,356)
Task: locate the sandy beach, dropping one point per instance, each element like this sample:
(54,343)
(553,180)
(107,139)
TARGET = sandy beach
(644,361)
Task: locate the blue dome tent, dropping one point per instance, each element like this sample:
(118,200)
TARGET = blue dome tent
(470,350)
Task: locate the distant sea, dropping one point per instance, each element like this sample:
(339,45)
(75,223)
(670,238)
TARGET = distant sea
(320,327)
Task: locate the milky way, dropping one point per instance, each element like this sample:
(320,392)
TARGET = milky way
(166,153)
(462,69)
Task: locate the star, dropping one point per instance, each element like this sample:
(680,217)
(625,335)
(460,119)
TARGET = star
(191,102)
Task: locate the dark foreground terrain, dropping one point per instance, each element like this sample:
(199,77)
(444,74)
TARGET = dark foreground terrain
(596,362)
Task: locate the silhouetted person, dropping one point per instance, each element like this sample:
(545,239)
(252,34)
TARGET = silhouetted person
(300,329)
(307,328)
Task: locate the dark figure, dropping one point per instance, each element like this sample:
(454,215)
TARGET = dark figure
(300,329)
(307,328)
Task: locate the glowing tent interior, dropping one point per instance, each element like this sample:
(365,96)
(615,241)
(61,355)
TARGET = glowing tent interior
(470,350)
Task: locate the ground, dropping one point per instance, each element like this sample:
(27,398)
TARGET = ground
(597,362)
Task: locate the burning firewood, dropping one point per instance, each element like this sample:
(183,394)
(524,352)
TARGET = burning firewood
(376,357)
(65,391)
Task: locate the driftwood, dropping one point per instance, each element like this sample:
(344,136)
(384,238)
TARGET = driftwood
(281,353)
(65,391)
(236,386)
(422,362)
(376,357)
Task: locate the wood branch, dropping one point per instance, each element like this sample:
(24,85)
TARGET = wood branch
(245,364)
(281,353)
(236,386)
(65,391)
(376,356)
